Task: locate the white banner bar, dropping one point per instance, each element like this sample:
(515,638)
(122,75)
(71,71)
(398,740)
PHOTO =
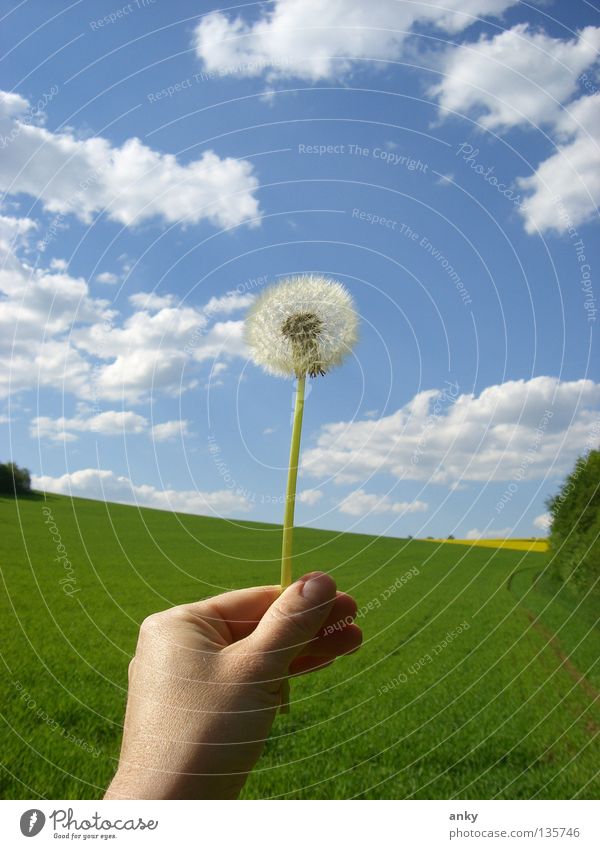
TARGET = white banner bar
(304,825)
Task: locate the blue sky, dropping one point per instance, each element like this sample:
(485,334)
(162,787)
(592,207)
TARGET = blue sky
(162,162)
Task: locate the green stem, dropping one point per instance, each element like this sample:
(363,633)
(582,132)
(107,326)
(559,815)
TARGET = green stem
(288,516)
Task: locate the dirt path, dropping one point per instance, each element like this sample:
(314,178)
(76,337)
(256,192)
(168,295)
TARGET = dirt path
(554,645)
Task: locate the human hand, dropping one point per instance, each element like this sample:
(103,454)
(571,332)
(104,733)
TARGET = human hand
(205,682)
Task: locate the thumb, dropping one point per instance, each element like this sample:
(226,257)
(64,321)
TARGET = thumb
(294,618)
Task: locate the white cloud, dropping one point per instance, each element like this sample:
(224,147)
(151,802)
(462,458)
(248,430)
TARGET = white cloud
(37,308)
(153,348)
(522,424)
(490,533)
(169,430)
(109,423)
(107,277)
(564,191)
(12,229)
(313,40)
(360,503)
(151,301)
(543,522)
(226,304)
(525,77)
(59,264)
(225,338)
(519,76)
(105,485)
(309,496)
(133,183)
(54,333)
(154,351)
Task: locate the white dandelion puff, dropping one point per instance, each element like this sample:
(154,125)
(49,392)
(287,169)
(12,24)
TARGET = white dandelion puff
(303,325)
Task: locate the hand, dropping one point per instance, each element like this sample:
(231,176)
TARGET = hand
(205,682)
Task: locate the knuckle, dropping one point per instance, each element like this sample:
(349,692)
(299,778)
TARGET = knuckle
(151,623)
(157,623)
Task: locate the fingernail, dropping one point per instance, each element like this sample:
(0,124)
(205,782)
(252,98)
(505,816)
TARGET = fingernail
(317,587)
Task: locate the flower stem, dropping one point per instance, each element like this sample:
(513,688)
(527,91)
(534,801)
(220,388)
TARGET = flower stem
(288,516)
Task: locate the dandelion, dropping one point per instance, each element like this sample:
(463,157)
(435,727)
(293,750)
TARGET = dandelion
(305,325)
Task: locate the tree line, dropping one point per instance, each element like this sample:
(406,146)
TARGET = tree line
(14,480)
(575,526)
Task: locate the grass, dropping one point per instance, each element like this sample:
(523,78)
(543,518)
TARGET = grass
(478,677)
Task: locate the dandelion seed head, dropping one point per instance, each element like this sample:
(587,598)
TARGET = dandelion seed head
(302,325)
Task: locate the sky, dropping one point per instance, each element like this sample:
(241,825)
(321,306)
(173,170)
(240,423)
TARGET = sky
(161,163)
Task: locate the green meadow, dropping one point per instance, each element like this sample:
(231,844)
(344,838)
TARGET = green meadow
(478,677)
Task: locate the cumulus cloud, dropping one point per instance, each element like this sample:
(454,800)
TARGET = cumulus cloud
(309,496)
(107,277)
(228,303)
(313,40)
(109,423)
(151,301)
(361,503)
(543,522)
(155,351)
(489,533)
(519,76)
(169,430)
(533,424)
(55,333)
(526,77)
(106,485)
(564,191)
(12,229)
(38,306)
(132,183)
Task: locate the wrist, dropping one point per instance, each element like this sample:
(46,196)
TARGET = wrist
(140,783)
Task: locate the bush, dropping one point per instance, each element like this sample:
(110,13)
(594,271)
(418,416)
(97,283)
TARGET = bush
(575,527)
(14,480)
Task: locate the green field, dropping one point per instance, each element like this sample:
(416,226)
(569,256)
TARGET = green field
(506,706)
